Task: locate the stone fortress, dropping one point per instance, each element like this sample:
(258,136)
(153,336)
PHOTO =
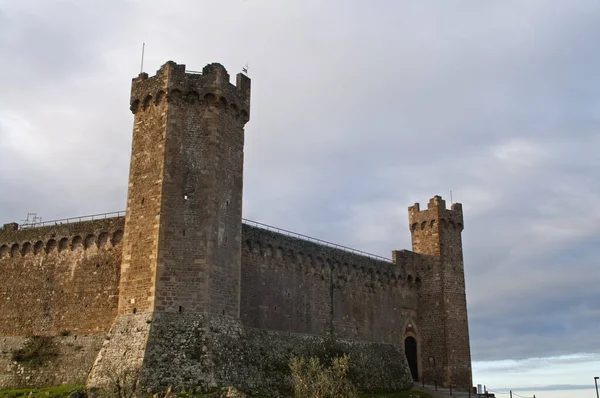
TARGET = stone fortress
(187,294)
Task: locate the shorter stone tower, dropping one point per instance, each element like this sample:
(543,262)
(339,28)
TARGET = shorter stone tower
(442,306)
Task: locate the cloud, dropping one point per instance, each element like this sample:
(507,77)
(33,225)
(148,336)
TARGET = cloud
(547,373)
(358,111)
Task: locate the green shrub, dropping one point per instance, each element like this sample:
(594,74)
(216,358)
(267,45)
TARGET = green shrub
(36,351)
(123,382)
(310,379)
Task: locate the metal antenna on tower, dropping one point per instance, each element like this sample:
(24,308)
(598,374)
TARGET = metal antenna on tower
(142,65)
(26,220)
(245,69)
(31,219)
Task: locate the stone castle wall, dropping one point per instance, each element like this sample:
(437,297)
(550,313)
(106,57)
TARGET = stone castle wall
(60,278)
(65,278)
(59,281)
(300,286)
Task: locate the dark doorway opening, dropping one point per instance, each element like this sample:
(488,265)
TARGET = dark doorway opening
(410,350)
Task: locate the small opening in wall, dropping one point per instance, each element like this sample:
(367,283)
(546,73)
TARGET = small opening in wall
(226,203)
(185,197)
(97,265)
(183,232)
(134,310)
(180,309)
(223,312)
(143,200)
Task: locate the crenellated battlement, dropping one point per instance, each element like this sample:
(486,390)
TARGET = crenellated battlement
(435,213)
(46,240)
(310,258)
(211,88)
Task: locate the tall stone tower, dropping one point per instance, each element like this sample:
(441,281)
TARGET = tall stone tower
(442,306)
(181,248)
(182,240)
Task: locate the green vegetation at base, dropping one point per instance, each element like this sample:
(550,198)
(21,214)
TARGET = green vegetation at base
(310,378)
(36,351)
(82,392)
(47,392)
(402,394)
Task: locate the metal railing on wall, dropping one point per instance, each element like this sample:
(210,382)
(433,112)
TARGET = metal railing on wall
(454,393)
(253,223)
(510,394)
(313,240)
(71,220)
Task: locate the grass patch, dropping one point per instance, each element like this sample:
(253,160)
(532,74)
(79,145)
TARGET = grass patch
(402,394)
(71,391)
(48,392)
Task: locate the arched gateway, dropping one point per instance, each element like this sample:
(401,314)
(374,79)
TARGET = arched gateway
(410,350)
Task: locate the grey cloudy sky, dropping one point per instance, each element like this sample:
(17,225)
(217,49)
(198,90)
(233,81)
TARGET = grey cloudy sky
(359,109)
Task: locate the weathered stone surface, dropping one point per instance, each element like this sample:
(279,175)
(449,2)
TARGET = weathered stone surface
(75,355)
(209,350)
(123,349)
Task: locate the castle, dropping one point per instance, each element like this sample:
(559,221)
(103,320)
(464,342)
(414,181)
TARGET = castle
(185,292)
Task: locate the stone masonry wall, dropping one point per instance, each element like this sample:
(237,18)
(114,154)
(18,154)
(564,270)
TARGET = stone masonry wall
(200,232)
(75,355)
(209,350)
(66,277)
(144,195)
(299,286)
(60,278)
